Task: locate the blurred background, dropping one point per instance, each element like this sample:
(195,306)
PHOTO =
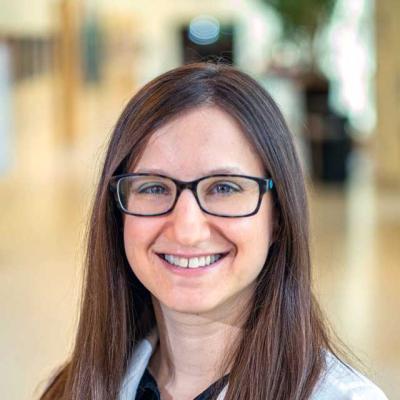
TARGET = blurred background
(68,67)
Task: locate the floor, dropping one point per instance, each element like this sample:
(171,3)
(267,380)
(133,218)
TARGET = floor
(44,202)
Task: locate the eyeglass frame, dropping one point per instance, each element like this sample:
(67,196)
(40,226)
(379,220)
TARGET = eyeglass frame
(264,184)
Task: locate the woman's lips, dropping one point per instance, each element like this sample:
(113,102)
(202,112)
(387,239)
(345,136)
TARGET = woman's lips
(192,262)
(192,271)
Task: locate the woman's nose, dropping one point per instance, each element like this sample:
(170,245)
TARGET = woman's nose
(188,222)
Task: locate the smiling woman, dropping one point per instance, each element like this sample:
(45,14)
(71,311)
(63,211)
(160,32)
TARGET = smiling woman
(187,234)
(198,269)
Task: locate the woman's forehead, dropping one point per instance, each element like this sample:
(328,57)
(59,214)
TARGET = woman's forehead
(205,138)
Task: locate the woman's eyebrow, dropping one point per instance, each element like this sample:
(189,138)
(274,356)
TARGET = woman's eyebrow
(216,171)
(226,170)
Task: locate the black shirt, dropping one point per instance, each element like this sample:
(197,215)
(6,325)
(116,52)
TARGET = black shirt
(148,389)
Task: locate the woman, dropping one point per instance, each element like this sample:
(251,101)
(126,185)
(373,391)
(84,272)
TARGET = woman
(198,266)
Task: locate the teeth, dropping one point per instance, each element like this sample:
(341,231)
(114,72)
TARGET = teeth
(182,262)
(194,262)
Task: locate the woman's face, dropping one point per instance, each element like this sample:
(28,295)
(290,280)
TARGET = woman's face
(201,142)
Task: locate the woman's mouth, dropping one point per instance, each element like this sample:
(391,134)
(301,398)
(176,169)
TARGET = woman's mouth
(192,262)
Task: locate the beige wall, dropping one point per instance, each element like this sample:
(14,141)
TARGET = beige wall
(27,17)
(388,91)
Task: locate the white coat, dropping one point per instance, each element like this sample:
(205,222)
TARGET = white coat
(337,382)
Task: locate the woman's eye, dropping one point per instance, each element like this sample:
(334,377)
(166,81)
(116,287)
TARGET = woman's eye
(152,189)
(224,188)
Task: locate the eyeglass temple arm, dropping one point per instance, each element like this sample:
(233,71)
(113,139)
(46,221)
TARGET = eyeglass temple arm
(268,184)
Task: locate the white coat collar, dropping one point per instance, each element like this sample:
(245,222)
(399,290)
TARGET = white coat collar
(137,365)
(337,381)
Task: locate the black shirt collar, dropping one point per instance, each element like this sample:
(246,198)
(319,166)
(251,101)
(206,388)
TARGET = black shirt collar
(148,389)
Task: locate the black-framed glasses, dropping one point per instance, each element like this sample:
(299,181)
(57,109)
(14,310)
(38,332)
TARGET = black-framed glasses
(223,195)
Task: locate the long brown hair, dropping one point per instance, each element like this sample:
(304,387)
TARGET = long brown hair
(281,355)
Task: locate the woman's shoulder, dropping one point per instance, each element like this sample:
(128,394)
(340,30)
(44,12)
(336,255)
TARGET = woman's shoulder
(342,382)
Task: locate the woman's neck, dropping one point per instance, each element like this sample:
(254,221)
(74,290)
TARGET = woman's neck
(192,349)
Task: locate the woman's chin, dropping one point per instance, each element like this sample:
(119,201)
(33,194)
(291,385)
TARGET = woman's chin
(190,306)
(205,303)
